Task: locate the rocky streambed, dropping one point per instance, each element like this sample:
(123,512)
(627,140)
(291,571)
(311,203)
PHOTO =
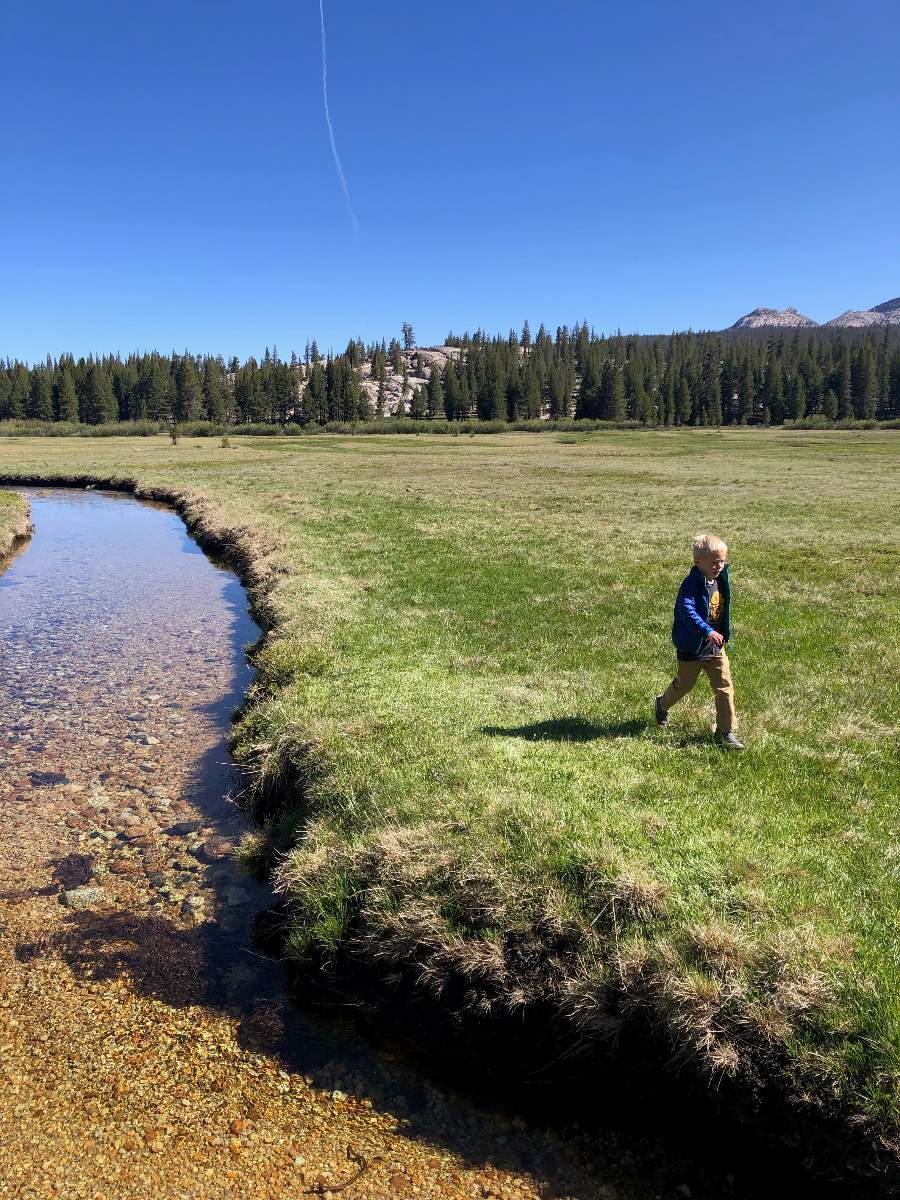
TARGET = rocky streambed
(146,1048)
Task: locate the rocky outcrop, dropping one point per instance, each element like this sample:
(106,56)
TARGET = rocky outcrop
(887,313)
(396,401)
(785,318)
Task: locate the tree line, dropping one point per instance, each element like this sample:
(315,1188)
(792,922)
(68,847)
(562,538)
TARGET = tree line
(730,378)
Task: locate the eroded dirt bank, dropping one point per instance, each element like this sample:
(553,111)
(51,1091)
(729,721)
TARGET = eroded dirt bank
(15,526)
(145,1049)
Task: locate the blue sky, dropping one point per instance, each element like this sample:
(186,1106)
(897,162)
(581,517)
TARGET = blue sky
(168,180)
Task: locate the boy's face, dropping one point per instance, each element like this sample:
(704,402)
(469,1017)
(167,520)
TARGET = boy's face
(712,562)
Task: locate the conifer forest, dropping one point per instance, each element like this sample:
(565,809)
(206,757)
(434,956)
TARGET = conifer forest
(764,377)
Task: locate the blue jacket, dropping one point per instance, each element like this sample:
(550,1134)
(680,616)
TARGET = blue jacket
(691,626)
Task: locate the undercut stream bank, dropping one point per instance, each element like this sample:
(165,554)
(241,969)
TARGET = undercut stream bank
(146,1047)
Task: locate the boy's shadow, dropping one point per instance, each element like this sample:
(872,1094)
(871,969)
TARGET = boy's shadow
(570,729)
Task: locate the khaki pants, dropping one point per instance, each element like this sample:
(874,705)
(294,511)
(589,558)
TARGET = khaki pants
(718,672)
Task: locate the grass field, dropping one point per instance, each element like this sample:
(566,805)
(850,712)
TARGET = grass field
(456,761)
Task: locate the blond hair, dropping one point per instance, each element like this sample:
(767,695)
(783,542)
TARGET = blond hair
(707,543)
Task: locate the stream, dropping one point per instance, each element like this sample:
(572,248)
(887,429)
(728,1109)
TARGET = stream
(146,1047)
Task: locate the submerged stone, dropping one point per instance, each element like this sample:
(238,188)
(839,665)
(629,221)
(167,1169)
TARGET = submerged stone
(81,899)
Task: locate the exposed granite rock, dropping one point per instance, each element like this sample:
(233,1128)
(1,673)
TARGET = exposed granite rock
(884,314)
(763,318)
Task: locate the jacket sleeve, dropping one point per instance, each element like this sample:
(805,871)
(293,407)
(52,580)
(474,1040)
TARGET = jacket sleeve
(688,608)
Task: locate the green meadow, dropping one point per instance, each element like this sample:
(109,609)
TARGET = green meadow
(453,755)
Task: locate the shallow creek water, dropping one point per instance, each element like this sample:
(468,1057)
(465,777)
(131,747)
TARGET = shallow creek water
(146,1049)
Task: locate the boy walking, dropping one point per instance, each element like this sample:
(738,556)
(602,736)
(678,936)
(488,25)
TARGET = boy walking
(700,630)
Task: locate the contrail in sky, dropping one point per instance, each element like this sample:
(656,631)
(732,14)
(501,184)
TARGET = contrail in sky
(335,155)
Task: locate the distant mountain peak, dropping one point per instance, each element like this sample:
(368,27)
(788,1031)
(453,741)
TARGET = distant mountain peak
(887,313)
(785,318)
(884,314)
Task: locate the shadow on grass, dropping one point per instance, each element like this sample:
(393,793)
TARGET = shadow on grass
(570,729)
(579,729)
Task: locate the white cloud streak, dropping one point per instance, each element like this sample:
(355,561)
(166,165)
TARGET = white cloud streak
(334,152)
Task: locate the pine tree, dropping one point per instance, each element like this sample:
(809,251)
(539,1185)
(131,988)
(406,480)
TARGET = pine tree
(452,391)
(894,386)
(869,406)
(815,389)
(746,394)
(533,398)
(363,402)
(249,400)
(590,400)
(557,395)
(188,391)
(435,393)
(612,389)
(495,401)
(158,391)
(65,399)
(100,400)
(667,398)
(409,338)
(844,386)
(418,405)
(314,403)
(635,396)
(773,394)
(464,407)
(797,406)
(859,382)
(40,396)
(6,413)
(582,347)
(712,394)
(514,396)
(685,401)
(125,382)
(213,391)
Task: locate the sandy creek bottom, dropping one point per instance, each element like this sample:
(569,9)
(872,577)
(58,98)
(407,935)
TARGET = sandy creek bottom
(146,1050)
